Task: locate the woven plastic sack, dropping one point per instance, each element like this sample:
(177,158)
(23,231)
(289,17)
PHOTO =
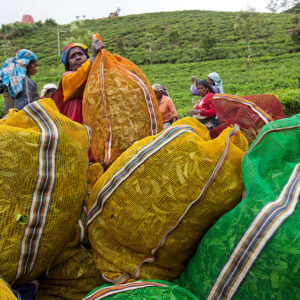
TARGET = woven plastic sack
(149,210)
(42,187)
(247,115)
(119,105)
(253,251)
(269,103)
(5,291)
(138,290)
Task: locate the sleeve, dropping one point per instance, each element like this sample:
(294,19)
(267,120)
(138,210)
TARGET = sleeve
(172,109)
(73,83)
(207,108)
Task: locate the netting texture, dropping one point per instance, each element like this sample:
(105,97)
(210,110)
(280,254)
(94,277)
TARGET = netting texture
(232,110)
(161,290)
(269,103)
(163,175)
(73,273)
(43,186)
(267,220)
(119,105)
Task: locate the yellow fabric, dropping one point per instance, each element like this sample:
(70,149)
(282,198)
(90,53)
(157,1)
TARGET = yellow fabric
(5,292)
(115,106)
(95,170)
(72,275)
(73,83)
(151,200)
(10,113)
(27,175)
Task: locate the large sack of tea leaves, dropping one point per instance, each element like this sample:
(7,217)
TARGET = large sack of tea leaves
(246,114)
(149,210)
(253,251)
(119,105)
(42,187)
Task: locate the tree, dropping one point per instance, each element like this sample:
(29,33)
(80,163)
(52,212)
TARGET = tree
(207,43)
(79,33)
(279,5)
(149,44)
(174,37)
(248,25)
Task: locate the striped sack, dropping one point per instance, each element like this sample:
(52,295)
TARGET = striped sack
(253,251)
(42,187)
(119,105)
(149,210)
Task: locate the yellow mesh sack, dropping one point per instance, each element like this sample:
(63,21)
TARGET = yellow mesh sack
(42,187)
(73,274)
(5,292)
(119,105)
(149,210)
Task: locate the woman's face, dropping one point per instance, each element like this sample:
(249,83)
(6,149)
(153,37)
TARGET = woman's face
(211,82)
(158,95)
(202,90)
(76,58)
(32,69)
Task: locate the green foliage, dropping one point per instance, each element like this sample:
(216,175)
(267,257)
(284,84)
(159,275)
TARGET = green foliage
(275,68)
(50,22)
(207,43)
(295,33)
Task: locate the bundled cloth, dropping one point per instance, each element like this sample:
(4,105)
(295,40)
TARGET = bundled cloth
(42,187)
(253,250)
(119,105)
(149,210)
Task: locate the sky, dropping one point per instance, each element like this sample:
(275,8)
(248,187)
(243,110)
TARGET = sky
(66,11)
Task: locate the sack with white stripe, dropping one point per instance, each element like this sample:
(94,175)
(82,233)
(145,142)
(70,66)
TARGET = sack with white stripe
(119,105)
(253,251)
(42,187)
(149,210)
(140,290)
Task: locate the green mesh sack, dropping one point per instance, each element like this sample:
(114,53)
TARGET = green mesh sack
(253,251)
(138,290)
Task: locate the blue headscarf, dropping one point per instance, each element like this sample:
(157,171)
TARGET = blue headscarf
(215,77)
(13,72)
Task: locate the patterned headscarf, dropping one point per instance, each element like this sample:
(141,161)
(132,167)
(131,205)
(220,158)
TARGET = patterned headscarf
(13,72)
(64,57)
(215,77)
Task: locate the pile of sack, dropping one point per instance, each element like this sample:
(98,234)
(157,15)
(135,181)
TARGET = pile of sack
(166,219)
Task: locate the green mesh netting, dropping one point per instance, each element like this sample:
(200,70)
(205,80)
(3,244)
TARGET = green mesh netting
(253,251)
(138,290)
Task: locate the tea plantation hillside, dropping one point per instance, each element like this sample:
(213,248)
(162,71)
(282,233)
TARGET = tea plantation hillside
(174,37)
(178,43)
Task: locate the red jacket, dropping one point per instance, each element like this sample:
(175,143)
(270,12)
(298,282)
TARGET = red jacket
(205,106)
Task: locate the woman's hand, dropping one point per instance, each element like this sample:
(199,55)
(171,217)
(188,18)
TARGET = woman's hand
(97,45)
(195,112)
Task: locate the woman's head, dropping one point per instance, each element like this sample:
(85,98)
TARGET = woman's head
(159,90)
(48,90)
(213,78)
(74,55)
(32,67)
(203,87)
